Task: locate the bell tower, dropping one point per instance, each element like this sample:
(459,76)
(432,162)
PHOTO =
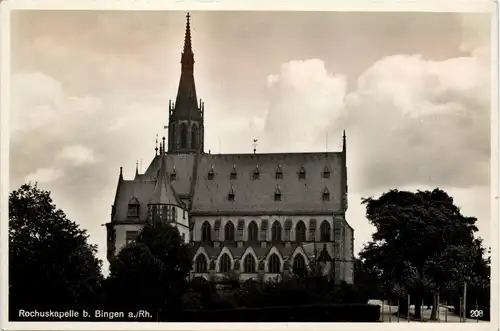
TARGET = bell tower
(185,123)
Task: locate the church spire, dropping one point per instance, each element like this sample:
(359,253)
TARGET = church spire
(185,125)
(187,59)
(186,103)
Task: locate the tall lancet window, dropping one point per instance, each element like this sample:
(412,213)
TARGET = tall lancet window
(194,136)
(184,135)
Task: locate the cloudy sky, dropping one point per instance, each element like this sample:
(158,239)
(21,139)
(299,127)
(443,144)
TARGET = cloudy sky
(90,92)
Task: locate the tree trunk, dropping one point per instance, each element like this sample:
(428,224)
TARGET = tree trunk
(418,306)
(403,307)
(435,307)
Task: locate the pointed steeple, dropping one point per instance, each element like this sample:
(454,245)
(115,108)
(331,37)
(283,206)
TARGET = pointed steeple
(187,59)
(163,193)
(186,115)
(186,103)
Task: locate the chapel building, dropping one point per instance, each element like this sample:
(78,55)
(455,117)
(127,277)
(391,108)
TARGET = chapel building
(257,215)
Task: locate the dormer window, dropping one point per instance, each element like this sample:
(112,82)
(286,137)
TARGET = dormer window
(277,194)
(256,173)
(133,208)
(279,172)
(233,174)
(326,194)
(302,173)
(230,195)
(211,173)
(173,175)
(326,172)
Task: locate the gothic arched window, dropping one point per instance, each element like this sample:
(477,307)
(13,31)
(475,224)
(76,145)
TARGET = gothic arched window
(206,232)
(194,136)
(325,231)
(229,231)
(299,263)
(300,232)
(184,135)
(274,264)
(276,231)
(224,263)
(249,264)
(200,264)
(253,231)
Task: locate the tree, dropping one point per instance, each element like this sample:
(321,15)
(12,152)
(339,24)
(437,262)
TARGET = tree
(366,281)
(51,264)
(151,273)
(422,244)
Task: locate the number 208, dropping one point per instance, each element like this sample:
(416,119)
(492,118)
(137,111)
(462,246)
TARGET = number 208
(476,313)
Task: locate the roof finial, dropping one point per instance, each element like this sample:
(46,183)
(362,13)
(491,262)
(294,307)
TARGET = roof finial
(137,167)
(163,139)
(255,145)
(121,172)
(344,144)
(156,148)
(187,41)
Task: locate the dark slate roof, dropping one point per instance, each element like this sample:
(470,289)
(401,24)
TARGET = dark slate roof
(250,195)
(164,192)
(128,189)
(258,194)
(182,164)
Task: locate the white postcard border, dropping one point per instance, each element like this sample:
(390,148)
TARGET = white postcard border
(255,5)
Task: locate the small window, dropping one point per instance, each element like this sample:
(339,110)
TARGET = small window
(133,211)
(130,236)
(256,173)
(277,194)
(326,195)
(133,208)
(279,172)
(211,174)
(234,174)
(302,173)
(230,195)
(326,173)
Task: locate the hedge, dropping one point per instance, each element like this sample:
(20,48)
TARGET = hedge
(311,313)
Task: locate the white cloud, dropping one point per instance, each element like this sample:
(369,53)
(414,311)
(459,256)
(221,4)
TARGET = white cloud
(44,175)
(303,96)
(410,122)
(77,155)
